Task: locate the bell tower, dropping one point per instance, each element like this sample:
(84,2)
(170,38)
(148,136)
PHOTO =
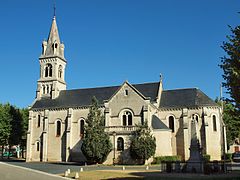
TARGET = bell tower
(52,65)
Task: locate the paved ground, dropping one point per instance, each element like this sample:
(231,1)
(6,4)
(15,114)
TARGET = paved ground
(60,168)
(10,172)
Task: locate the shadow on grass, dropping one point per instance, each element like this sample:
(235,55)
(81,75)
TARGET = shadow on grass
(178,176)
(67,163)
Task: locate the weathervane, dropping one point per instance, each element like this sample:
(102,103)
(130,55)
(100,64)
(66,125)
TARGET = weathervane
(54,8)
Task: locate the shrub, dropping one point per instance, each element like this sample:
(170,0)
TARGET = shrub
(228,156)
(143,143)
(206,157)
(159,159)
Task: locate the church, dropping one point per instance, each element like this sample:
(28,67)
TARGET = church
(57,115)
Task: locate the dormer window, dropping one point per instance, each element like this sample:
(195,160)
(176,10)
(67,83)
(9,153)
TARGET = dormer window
(54,46)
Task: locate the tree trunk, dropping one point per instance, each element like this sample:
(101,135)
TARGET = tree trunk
(9,151)
(2,151)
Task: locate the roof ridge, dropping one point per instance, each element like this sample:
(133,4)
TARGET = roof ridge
(101,87)
(194,88)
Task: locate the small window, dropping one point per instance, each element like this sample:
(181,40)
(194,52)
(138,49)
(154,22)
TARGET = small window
(120,144)
(196,118)
(214,123)
(38,121)
(43,124)
(44,91)
(58,130)
(38,146)
(47,89)
(82,128)
(171,123)
(126,92)
(60,71)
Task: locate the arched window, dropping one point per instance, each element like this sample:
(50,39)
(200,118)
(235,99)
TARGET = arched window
(54,47)
(127,118)
(58,129)
(120,144)
(43,124)
(171,123)
(38,120)
(48,70)
(214,119)
(38,146)
(60,71)
(44,90)
(47,89)
(195,117)
(81,128)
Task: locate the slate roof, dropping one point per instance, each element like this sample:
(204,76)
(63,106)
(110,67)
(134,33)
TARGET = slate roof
(169,99)
(179,98)
(83,97)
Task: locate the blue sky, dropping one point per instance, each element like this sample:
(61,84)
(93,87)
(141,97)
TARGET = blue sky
(110,41)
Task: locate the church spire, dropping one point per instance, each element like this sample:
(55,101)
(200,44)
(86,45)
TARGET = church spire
(52,65)
(53,46)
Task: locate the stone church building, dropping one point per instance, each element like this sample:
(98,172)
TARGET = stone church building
(57,115)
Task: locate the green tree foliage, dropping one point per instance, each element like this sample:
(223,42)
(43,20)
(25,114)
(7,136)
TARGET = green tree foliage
(231,120)
(16,126)
(231,66)
(5,123)
(96,142)
(24,115)
(13,125)
(143,143)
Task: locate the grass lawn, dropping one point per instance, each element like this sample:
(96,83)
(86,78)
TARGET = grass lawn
(149,175)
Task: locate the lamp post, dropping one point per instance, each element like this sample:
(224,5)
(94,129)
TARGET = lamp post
(114,136)
(223,130)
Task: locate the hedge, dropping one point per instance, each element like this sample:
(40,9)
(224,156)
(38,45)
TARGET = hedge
(159,159)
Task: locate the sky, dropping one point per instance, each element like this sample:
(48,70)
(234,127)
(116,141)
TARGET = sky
(110,41)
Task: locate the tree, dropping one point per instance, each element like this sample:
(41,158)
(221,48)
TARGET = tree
(16,126)
(231,120)
(231,66)
(5,125)
(24,117)
(143,143)
(96,142)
